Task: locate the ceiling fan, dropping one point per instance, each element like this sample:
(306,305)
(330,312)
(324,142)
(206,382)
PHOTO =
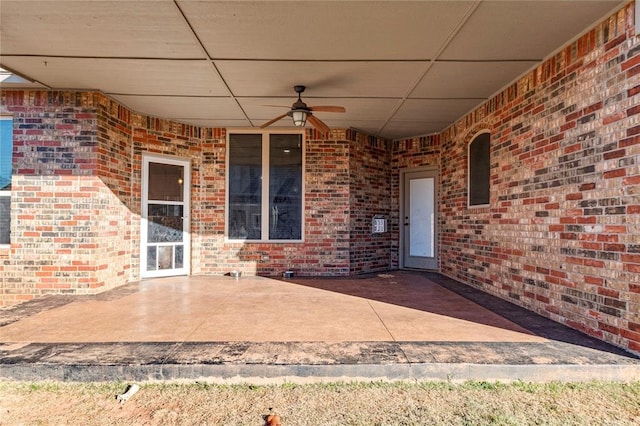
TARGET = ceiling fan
(301,113)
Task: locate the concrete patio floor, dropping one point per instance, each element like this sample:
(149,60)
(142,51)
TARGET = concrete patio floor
(396,325)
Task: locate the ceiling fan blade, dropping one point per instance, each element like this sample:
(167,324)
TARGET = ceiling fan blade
(318,124)
(328,108)
(270,122)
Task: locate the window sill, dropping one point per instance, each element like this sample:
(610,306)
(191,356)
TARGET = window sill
(239,241)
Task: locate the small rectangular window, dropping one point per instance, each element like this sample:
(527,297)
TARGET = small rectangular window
(265,186)
(479,170)
(6,155)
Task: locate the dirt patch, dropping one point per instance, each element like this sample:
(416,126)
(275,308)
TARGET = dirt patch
(401,403)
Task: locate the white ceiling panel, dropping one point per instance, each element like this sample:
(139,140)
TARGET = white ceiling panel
(408,129)
(221,123)
(523,29)
(371,127)
(326,79)
(217,123)
(324,30)
(368,126)
(356,109)
(468,79)
(126,76)
(135,29)
(433,110)
(183,108)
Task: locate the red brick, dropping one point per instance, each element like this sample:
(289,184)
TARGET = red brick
(608,292)
(633,111)
(594,263)
(631,180)
(609,328)
(587,186)
(574,196)
(607,238)
(630,63)
(593,280)
(632,268)
(614,174)
(631,335)
(614,154)
(631,258)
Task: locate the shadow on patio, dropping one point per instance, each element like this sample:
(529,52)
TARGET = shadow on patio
(438,294)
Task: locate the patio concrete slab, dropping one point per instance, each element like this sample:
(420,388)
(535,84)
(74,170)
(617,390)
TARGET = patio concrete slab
(396,325)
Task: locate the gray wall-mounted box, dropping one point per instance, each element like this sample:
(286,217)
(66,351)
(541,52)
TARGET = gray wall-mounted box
(378,224)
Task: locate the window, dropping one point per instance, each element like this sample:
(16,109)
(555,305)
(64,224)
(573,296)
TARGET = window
(265,182)
(6,153)
(479,170)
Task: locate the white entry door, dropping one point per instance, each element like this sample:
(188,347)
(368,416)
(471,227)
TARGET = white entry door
(164,231)
(419,221)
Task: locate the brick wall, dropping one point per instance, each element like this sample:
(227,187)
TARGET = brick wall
(163,137)
(325,250)
(118,242)
(370,173)
(562,233)
(77,198)
(61,210)
(417,153)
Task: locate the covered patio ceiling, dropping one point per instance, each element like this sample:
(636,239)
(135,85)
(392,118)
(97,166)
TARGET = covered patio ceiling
(400,69)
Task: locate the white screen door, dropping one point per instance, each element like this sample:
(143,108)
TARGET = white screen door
(419,220)
(164,231)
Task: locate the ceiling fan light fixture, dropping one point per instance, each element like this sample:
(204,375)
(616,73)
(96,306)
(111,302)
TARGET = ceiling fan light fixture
(299,117)
(300,113)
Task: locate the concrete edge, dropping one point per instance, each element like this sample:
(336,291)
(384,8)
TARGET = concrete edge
(279,374)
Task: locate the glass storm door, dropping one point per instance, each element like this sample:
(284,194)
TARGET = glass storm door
(419,248)
(164,248)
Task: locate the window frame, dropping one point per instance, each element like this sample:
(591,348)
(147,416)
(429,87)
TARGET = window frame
(264,209)
(470,179)
(8,193)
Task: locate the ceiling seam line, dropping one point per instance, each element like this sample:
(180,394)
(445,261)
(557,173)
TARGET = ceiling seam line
(374,60)
(438,53)
(491,61)
(211,61)
(170,95)
(133,58)
(167,95)
(208,58)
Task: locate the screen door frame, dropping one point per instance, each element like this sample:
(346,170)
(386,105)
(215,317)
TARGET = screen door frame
(175,269)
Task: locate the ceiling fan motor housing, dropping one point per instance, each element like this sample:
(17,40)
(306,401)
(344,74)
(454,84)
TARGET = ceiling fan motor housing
(299,105)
